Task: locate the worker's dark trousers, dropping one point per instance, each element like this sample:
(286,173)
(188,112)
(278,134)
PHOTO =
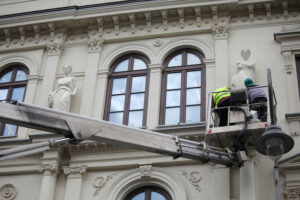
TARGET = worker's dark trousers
(223,113)
(260,108)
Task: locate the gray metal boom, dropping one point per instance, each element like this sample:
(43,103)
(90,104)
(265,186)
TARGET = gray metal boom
(85,128)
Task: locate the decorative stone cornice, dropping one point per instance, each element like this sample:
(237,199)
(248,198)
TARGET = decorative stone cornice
(8,192)
(50,169)
(74,171)
(145,170)
(194,177)
(220,31)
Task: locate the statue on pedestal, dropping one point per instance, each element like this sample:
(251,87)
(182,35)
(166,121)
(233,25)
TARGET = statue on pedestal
(60,99)
(244,69)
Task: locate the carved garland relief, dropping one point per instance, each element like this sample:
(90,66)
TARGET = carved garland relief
(100,182)
(194,177)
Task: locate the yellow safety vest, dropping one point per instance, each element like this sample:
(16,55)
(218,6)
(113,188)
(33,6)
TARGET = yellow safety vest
(219,94)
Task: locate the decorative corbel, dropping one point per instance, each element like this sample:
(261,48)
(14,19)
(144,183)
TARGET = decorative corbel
(284,5)
(164,15)
(36,29)
(7,36)
(132,22)
(214,10)
(148,20)
(100,26)
(251,12)
(288,61)
(22,35)
(268,10)
(51,30)
(116,22)
(198,16)
(180,12)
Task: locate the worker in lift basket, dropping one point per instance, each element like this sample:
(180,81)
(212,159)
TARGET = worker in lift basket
(221,98)
(258,98)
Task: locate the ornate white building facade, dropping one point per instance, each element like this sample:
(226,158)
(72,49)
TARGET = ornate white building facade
(38,37)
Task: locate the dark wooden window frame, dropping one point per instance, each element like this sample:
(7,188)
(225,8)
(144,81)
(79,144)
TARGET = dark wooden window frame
(129,75)
(12,84)
(297,60)
(183,69)
(148,190)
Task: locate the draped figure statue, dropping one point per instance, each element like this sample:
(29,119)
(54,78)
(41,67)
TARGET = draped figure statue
(244,69)
(60,99)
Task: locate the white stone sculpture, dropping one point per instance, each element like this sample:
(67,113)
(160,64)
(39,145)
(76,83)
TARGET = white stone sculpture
(60,99)
(244,69)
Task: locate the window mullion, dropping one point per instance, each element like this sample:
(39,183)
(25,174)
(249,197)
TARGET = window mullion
(127,100)
(183,96)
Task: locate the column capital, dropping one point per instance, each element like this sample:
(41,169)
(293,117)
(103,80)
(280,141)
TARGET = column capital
(50,169)
(220,31)
(75,171)
(55,44)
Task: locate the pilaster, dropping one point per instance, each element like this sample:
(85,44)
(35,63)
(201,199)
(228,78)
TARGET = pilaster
(95,45)
(54,49)
(74,181)
(154,95)
(221,34)
(247,181)
(221,183)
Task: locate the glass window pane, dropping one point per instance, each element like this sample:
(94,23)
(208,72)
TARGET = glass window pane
(174,81)
(140,196)
(194,79)
(6,77)
(18,94)
(122,66)
(173,98)
(172,116)
(192,59)
(10,130)
(193,96)
(116,117)
(3,94)
(192,114)
(21,75)
(138,84)
(117,103)
(157,196)
(176,61)
(138,64)
(119,86)
(137,101)
(135,118)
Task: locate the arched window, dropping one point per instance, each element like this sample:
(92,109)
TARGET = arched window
(148,193)
(183,88)
(13,82)
(128,91)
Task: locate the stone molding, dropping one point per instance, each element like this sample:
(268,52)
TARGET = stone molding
(292,193)
(8,192)
(74,171)
(194,177)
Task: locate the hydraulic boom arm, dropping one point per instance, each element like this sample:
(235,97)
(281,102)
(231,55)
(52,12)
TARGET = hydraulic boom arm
(84,128)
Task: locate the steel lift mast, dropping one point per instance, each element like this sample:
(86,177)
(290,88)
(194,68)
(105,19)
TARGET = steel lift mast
(77,128)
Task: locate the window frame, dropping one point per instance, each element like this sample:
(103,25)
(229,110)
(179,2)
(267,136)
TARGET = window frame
(148,190)
(11,85)
(129,74)
(183,69)
(297,62)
